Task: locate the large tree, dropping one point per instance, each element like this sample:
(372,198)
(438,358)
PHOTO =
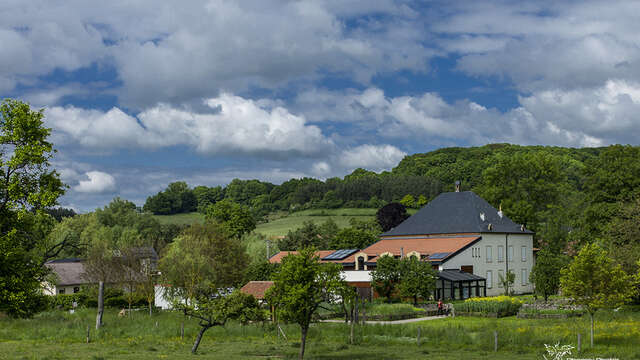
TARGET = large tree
(199,266)
(391,215)
(594,281)
(27,187)
(385,276)
(545,274)
(417,278)
(300,286)
(236,219)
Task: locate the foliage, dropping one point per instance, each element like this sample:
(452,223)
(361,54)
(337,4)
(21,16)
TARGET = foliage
(391,215)
(177,198)
(300,286)
(27,186)
(408,201)
(417,279)
(65,301)
(622,236)
(385,276)
(545,275)
(236,219)
(353,238)
(201,260)
(60,213)
(393,309)
(310,234)
(486,305)
(260,271)
(506,281)
(593,281)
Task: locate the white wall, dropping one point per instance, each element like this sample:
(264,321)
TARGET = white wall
(356,276)
(162,299)
(50,289)
(476,256)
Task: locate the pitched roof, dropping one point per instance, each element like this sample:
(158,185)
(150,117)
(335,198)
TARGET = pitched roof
(67,271)
(257,288)
(277,258)
(456,213)
(458,275)
(445,246)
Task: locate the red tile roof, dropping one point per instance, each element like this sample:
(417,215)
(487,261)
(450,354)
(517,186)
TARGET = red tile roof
(425,246)
(257,288)
(277,258)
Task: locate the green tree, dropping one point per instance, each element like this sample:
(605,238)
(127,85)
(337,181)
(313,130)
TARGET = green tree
(506,281)
(593,281)
(300,286)
(27,187)
(622,236)
(385,276)
(408,201)
(417,278)
(235,218)
(391,215)
(545,274)
(422,201)
(352,238)
(198,265)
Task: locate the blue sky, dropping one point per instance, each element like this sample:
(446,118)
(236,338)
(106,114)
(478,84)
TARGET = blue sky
(206,91)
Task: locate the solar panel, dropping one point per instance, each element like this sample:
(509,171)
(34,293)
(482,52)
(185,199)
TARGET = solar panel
(339,254)
(441,255)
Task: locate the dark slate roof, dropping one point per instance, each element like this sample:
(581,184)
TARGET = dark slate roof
(67,271)
(456,212)
(458,275)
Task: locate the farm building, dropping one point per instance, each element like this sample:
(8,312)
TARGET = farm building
(466,239)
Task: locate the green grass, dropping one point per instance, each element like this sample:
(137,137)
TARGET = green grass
(282,225)
(58,335)
(179,219)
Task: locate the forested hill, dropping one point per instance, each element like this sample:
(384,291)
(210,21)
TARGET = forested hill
(552,190)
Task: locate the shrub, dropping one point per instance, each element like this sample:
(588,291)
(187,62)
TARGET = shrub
(486,305)
(65,301)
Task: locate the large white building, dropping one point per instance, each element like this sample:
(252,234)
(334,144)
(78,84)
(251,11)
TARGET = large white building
(471,243)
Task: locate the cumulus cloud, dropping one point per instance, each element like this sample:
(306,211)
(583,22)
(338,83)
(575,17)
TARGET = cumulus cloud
(231,124)
(372,157)
(98,182)
(180,51)
(543,45)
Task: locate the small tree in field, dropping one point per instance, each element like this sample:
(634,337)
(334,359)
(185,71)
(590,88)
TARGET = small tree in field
(417,278)
(545,274)
(300,286)
(385,276)
(594,281)
(200,265)
(507,281)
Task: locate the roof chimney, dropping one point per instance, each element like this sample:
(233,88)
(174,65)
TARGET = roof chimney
(401,253)
(500,211)
(457,185)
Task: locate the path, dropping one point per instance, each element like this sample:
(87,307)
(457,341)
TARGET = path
(393,322)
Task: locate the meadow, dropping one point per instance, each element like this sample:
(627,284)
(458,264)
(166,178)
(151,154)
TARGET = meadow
(60,335)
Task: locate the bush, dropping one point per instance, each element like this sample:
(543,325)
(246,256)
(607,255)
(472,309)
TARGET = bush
(393,309)
(121,302)
(498,304)
(65,301)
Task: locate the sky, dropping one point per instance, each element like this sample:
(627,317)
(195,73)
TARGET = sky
(141,94)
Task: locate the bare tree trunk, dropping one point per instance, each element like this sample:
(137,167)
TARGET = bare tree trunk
(197,343)
(100,304)
(591,315)
(303,341)
(150,309)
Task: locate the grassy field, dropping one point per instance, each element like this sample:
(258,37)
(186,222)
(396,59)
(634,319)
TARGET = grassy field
(57,335)
(281,225)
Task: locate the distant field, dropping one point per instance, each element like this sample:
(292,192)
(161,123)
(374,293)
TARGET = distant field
(180,219)
(294,221)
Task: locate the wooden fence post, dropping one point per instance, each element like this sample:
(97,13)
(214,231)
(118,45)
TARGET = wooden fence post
(88,334)
(418,335)
(495,341)
(579,342)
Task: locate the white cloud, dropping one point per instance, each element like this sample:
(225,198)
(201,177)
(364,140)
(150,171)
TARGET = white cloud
(371,157)
(179,51)
(231,124)
(543,45)
(98,182)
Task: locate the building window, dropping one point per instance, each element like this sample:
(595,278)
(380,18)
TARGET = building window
(60,291)
(360,262)
(489,279)
(510,253)
(524,277)
(489,255)
(524,253)
(76,289)
(500,278)
(500,253)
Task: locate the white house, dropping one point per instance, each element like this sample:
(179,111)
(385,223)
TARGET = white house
(466,239)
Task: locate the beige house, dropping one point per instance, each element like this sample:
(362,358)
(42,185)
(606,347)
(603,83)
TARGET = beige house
(68,276)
